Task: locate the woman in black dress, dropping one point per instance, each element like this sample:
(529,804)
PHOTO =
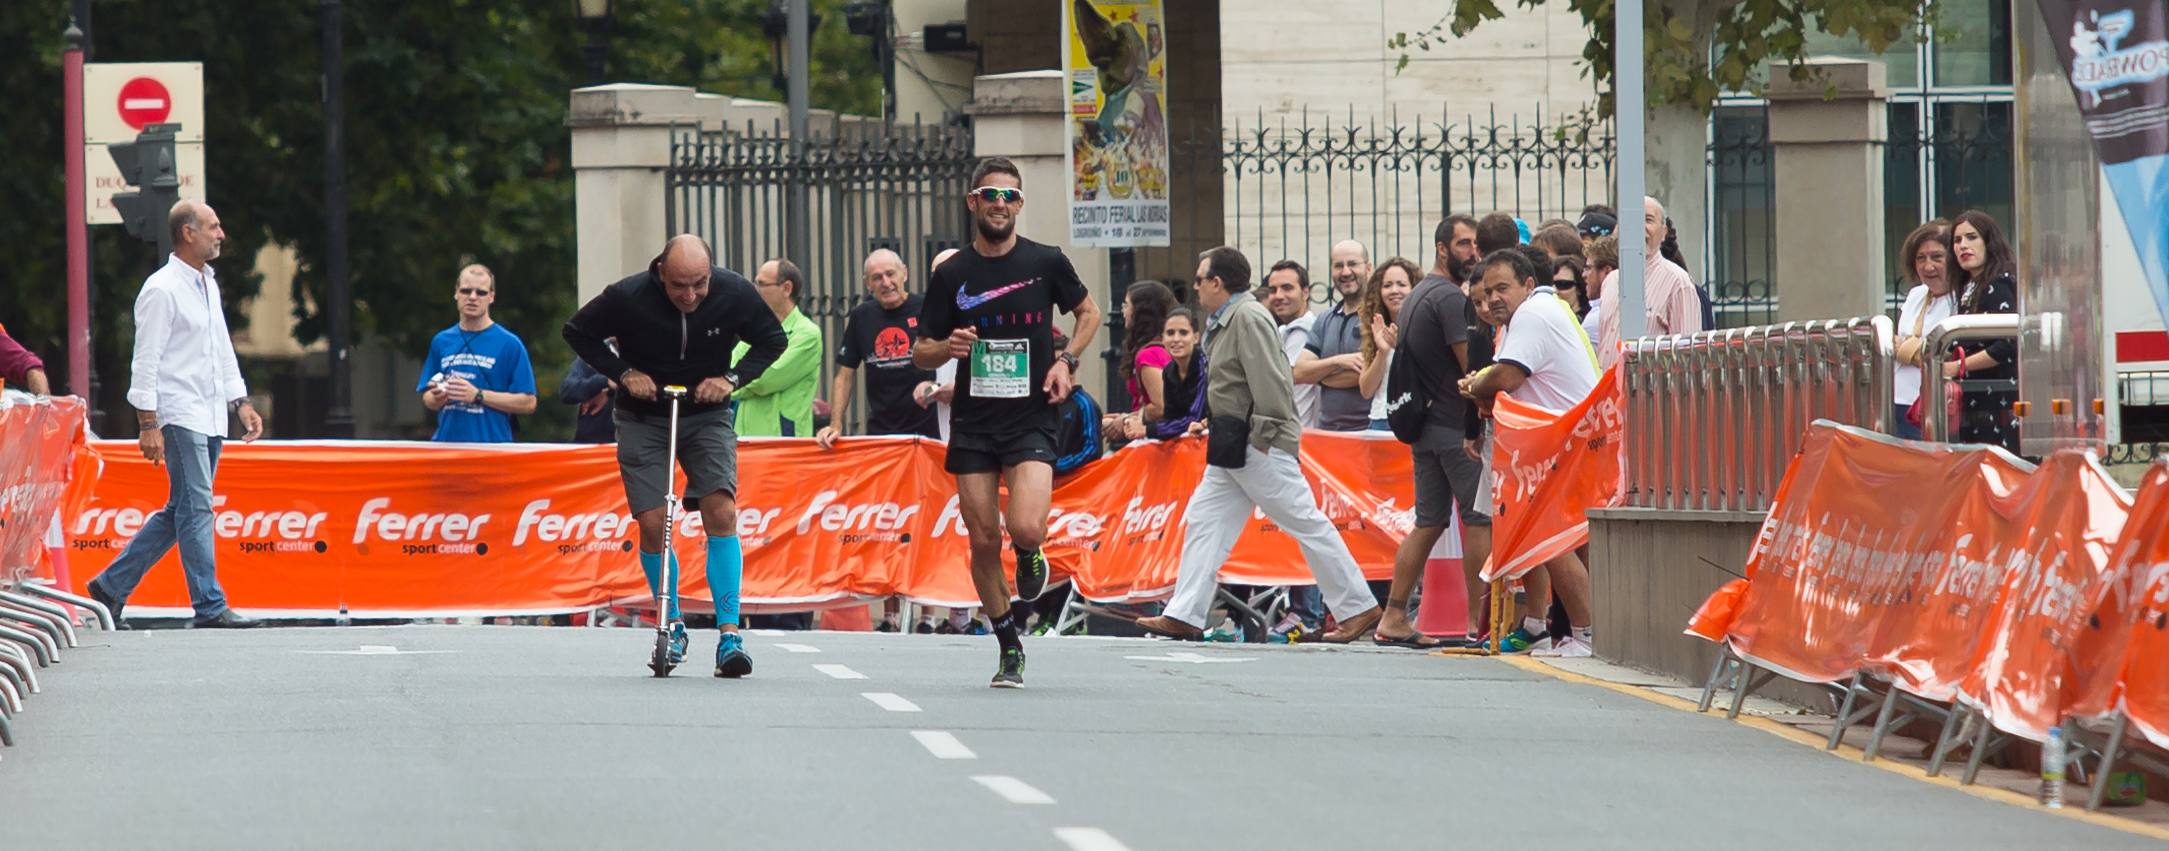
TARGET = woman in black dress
(1987,282)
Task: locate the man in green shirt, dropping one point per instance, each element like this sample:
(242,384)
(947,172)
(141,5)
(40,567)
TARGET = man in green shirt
(780,402)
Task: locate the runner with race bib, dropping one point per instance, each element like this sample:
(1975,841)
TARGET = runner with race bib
(992,307)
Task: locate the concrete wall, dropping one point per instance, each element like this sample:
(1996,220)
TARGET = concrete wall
(1651,570)
(1340,60)
(929,85)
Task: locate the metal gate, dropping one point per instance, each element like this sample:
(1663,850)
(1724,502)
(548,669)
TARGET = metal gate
(862,188)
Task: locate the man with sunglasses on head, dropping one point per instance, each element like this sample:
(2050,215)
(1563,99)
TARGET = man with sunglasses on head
(991,307)
(477,376)
(678,323)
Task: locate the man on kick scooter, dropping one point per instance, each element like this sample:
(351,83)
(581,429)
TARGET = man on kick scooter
(676,324)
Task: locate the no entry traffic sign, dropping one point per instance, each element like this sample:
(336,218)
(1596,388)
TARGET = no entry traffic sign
(144,101)
(122,98)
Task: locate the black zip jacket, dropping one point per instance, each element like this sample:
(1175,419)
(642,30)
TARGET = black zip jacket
(672,347)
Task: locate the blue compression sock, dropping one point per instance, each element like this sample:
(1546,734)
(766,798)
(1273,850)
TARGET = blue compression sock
(652,565)
(726,565)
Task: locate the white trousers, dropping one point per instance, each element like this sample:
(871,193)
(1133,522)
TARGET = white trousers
(1271,480)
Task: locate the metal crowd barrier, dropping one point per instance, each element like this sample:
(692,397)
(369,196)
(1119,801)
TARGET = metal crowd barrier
(1965,328)
(1714,418)
(36,624)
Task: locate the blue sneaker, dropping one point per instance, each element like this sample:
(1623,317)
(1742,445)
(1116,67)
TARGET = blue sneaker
(731,661)
(677,642)
(1520,641)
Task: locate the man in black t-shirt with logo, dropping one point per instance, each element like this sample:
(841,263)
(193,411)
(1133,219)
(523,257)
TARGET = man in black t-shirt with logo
(991,307)
(877,336)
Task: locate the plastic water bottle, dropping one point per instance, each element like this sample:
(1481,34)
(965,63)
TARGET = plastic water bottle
(2052,769)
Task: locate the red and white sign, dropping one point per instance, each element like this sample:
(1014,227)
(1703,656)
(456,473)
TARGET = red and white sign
(144,101)
(122,98)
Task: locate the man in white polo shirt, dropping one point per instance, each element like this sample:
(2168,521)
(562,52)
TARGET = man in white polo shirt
(1544,359)
(182,381)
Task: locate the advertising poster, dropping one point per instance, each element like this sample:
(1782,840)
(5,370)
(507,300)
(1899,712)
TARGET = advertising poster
(1115,62)
(2116,53)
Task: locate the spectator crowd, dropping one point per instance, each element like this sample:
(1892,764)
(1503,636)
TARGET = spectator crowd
(1418,346)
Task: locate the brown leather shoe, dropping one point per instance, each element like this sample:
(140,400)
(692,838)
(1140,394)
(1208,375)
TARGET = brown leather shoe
(1163,625)
(1355,627)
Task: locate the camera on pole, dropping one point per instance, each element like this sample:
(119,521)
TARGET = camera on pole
(147,164)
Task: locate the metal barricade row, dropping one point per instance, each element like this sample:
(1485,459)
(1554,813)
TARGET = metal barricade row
(1713,418)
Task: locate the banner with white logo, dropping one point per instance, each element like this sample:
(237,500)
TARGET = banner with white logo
(2117,57)
(383,529)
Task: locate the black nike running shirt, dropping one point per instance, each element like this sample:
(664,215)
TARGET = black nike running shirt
(1010,301)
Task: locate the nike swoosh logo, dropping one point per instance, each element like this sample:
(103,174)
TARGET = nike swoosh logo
(967,302)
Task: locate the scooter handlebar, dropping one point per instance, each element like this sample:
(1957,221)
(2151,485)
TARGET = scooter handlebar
(675,391)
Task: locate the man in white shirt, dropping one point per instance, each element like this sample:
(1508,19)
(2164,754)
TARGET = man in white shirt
(1287,297)
(182,381)
(1544,360)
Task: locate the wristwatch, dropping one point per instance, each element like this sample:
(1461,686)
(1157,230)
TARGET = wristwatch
(732,377)
(1068,360)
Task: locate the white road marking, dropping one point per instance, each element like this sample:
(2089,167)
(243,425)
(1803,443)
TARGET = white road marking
(374,650)
(890,702)
(1192,658)
(839,672)
(1011,789)
(942,745)
(798,648)
(1089,839)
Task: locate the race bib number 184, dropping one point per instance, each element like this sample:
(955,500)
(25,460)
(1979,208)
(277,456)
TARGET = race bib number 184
(1001,369)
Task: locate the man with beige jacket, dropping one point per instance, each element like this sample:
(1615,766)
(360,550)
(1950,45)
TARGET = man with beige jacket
(1248,383)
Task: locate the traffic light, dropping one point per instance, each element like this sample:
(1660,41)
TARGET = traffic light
(147,164)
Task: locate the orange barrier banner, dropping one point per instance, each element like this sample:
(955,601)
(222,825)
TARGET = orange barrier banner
(2129,632)
(1552,468)
(1959,572)
(415,529)
(42,445)
(2029,668)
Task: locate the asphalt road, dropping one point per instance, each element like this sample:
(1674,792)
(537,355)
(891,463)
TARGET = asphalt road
(524,737)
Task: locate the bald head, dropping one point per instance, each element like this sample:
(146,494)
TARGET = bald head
(687,255)
(886,278)
(1351,267)
(685,266)
(195,230)
(941,258)
(1652,224)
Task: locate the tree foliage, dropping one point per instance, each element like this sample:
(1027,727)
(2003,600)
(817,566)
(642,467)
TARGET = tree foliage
(457,149)
(1695,50)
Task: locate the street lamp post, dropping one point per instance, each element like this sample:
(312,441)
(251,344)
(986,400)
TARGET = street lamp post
(596,17)
(339,416)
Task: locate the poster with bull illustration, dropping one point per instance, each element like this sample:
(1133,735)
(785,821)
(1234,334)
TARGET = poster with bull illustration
(1114,61)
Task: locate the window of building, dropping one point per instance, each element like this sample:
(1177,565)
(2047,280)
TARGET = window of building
(1950,150)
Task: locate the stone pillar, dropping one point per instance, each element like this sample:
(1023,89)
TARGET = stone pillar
(1020,116)
(1827,134)
(620,147)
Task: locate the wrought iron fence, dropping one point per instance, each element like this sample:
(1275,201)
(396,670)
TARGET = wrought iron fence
(865,187)
(1292,187)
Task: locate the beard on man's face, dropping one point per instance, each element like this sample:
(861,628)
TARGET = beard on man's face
(993,232)
(1457,268)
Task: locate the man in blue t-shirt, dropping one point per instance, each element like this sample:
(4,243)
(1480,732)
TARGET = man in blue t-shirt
(476,377)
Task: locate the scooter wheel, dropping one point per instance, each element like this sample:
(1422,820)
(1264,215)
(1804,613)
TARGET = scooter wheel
(659,661)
